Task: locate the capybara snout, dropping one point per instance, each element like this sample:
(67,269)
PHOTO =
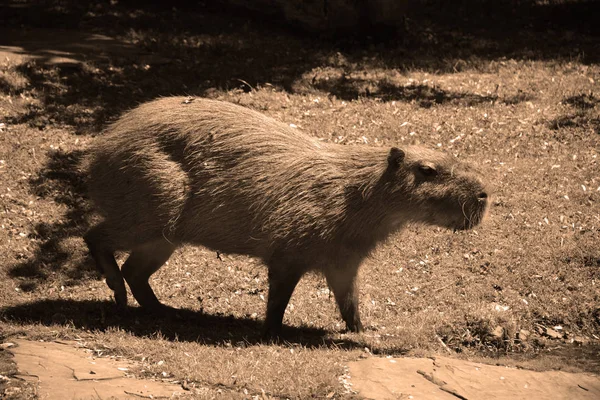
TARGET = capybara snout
(440,190)
(210,173)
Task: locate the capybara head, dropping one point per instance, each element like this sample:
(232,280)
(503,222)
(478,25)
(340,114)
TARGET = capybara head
(435,188)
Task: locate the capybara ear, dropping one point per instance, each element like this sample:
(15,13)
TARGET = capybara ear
(395,157)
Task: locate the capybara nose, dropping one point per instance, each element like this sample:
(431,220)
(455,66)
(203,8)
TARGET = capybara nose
(482,196)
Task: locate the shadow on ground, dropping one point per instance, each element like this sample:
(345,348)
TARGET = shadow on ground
(423,95)
(585,114)
(177,325)
(60,181)
(192,48)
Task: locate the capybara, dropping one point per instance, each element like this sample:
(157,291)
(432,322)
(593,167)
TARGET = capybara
(189,170)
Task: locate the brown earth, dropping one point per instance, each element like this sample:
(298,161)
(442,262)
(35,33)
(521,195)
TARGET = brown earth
(520,103)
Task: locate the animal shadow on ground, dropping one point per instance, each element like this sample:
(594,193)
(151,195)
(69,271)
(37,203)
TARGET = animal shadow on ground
(177,324)
(60,249)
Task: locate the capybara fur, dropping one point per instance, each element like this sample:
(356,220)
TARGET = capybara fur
(188,170)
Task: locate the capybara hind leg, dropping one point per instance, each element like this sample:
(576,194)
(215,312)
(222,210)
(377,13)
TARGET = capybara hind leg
(343,284)
(282,282)
(99,245)
(143,261)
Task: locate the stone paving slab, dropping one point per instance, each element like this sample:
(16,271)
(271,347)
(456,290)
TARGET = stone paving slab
(450,379)
(61,370)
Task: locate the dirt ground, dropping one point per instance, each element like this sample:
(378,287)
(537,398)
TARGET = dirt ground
(520,102)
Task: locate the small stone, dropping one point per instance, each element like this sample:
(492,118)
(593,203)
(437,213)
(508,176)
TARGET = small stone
(12,391)
(498,332)
(523,335)
(540,329)
(580,340)
(552,334)
(6,345)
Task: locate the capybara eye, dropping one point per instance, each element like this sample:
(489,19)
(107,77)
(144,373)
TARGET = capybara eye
(428,170)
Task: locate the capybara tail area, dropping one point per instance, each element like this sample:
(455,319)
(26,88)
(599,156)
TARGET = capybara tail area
(141,193)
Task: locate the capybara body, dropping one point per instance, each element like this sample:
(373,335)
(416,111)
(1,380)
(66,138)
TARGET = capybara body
(188,170)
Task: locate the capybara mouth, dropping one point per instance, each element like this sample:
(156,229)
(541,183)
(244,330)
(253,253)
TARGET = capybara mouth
(472,217)
(465,225)
(464,218)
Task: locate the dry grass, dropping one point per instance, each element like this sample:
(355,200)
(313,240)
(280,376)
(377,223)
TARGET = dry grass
(529,119)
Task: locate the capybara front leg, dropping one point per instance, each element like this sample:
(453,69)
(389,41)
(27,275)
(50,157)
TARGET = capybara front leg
(103,254)
(143,261)
(282,282)
(342,282)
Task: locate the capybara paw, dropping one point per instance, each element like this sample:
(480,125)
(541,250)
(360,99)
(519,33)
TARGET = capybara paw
(121,298)
(271,336)
(356,327)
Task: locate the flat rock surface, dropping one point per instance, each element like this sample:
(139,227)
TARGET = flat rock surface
(445,378)
(63,371)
